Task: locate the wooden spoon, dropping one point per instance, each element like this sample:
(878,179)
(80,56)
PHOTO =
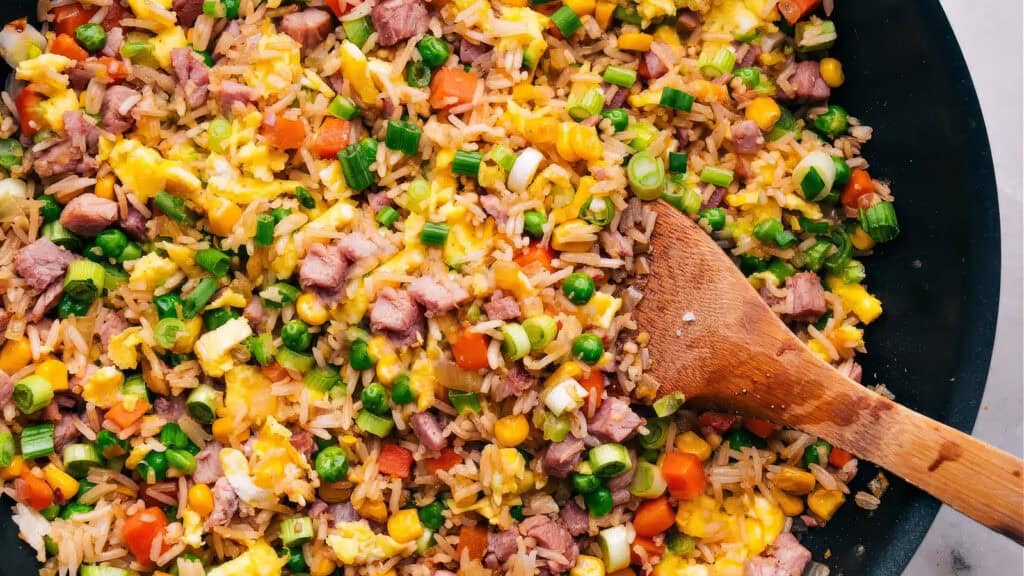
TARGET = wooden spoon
(714,339)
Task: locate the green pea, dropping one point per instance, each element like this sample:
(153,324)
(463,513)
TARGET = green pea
(92,37)
(332,464)
(578,288)
(585,483)
(588,348)
(432,515)
(295,335)
(599,502)
(375,398)
(359,356)
(50,210)
(112,242)
(817,453)
(401,392)
(533,223)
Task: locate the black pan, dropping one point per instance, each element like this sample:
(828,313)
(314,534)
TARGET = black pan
(939,280)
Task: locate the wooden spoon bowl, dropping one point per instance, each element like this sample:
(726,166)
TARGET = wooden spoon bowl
(714,339)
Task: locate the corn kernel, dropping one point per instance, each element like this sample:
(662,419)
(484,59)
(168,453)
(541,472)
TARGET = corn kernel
(105,187)
(15,355)
(573,236)
(861,240)
(764,111)
(60,480)
(511,431)
(14,470)
(636,41)
(832,72)
(55,372)
(404,525)
(794,480)
(581,7)
(200,499)
(310,309)
(223,431)
(692,443)
(222,215)
(824,503)
(603,14)
(373,510)
(587,566)
(790,505)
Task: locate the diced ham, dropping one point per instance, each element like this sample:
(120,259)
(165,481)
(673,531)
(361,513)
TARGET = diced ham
(225,504)
(309,27)
(614,243)
(548,534)
(562,457)
(118,103)
(80,74)
(437,295)
(208,468)
(517,381)
(343,512)
(115,13)
(63,158)
(82,131)
(805,298)
(397,20)
(495,208)
(303,442)
(614,96)
(750,56)
(687,20)
(6,388)
(253,312)
(715,199)
(188,11)
(134,225)
(113,324)
(42,263)
(88,214)
(575,520)
(614,420)
(620,496)
(394,311)
(64,432)
(502,307)
(470,52)
(46,301)
(747,137)
(785,557)
(651,66)
(115,39)
(323,268)
(808,83)
(171,408)
(500,547)
(356,246)
(378,200)
(193,75)
(427,430)
(232,93)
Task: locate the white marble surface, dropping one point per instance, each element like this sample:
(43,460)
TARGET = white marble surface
(989,35)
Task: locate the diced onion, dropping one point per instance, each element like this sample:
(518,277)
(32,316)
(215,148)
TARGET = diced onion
(825,167)
(566,396)
(12,193)
(524,169)
(20,41)
(614,543)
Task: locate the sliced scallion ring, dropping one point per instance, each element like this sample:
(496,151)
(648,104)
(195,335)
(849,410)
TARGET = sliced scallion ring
(669,404)
(614,544)
(609,460)
(648,481)
(524,169)
(815,175)
(515,343)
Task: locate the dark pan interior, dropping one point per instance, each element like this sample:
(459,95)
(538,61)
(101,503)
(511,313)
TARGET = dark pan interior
(939,281)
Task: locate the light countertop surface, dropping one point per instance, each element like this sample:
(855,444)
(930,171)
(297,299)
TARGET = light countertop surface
(990,38)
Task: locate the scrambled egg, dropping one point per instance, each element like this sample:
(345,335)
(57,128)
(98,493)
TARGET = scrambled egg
(247,392)
(278,466)
(236,470)
(45,70)
(356,544)
(527,31)
(600,311)
(279,66)
(151,271)
(145,172)
(166,41)
(192,524)
(421,381)
(508,474)
(123,349)
(259,560)
(855,297)
(103,388)
(751,521)
(228,299)
(155,10)
(355,69)
(213,349)
(53,109)
(466,243)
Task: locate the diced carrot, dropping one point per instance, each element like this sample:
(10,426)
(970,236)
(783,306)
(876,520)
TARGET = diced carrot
(67,19)
(447,460)
(66,46)
(30,110)
(839,457)
(472,539)
(284,133)
(538,253)
(124,417)
(794,10)
(653,517)
(451,87)
(470,350)
(860,185)
(717,421)
(594,385)
(684,475)
(33,491)
(339,7)
(141,528)
(650,546)
(760,428)
(274,372)
(332,138)
(116,69)
(394,461)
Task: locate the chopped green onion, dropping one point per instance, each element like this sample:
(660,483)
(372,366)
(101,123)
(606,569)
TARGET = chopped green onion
(418,74)
(218,317)
(645,135)
(718,176)
(515,342)
(781,269)
(166,332)
(817,453)
(627,14)
(32,394)
(647,482)
(214,261)
(83,280)
(598,211)
(433,50)
(153,467)
(355,168)
(646,176)
(715,218)
(342,107)
(136,49)
(618,76)
(722,63)
(503,157)
(854,272)
(322,379)
(305,199)
(786,124)
(608,460)
(566,21)
(540,330)
(555,428)
(264,230)
(135,386)
(417,195)
(811,36)
(387,216)
(749,75)
(814,256)
(466,163)
(879,221)
(217,134)
(6,448)
(464,401)
(37,441)
(589,105)
(358,31)
(172,206)
(296,531)
(837,261)
(669,404)
(181,460)
(833,122)
(767,230)
(676,99)
(403,136)
(11,153)
(677,162)
(198,298)
(657,433)
(434,234)
(61,236)
(74,509)
(680,544)
(279,295)
(814,226)
(785,239)
(618,117)
(295,361)
(202,403)
(533,223)
(261,348)
(687,199)
(371,423)
(401,392)
(132,251)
